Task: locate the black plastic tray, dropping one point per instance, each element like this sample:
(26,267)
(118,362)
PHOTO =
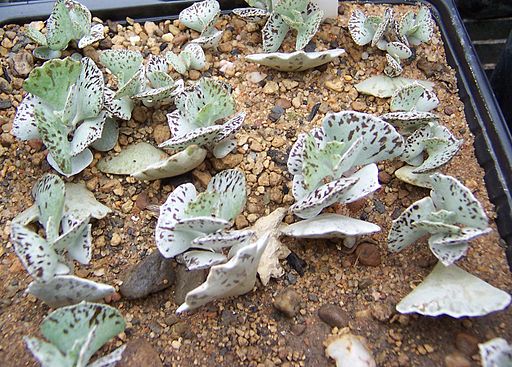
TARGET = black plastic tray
(493,142)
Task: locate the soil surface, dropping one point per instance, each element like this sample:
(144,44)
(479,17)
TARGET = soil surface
(248,330)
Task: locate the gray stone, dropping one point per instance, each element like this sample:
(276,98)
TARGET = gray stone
(5,104)
(275,113)
(333,315)
(138,353)
(186,281)
(154,273)
(287,302)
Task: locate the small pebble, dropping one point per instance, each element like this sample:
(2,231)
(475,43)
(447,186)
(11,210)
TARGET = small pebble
(275,113)
(333,315)
(466,343)
(287,302)
(368,254)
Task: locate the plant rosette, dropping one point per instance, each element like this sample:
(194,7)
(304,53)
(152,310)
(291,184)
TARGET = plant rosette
(68,237)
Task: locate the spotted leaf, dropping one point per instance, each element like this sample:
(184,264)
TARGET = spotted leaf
(95,35)
(219,240)
(59,27)
(496,353)
(230,184)
(52,81)
(40,260)
(408,122)
(87,133)
(380,140)
(49,193)
(122,63)
(449,247)
(449,194)
(121,108)
(362,28)
(393,68)
(309,26)
(76,239)
(202,137)
(200,14)
(381,29)
(274,32)
(196,260)
(403,233)
(251,14)
(47,354)
(398,50)
(413,97)
(90,325)
(313,203)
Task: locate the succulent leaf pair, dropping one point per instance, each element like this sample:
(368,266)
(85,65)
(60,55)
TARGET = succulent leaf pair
(451,215)
(68,237)
(411,105)
(194,120)
(201,17)
(187,219)
(69,21)
(64,97)
(75,333)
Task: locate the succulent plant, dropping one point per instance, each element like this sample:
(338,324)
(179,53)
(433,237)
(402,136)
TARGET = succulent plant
(68,238)
(198,111)
(158,86)
(191,57)
(452,216)
(66,97)
(416,28)
(75,333)
(449,290)
(191,221)
(390,36)
(496,353)
(69,21)
(346,140)
(295,61)
(437,141)
(201,17)
(145,162)
(304,16)
(234,278)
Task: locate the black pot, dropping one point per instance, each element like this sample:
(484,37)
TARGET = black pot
(493,142)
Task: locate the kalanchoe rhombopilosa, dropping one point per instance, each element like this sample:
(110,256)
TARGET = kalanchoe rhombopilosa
(69,21)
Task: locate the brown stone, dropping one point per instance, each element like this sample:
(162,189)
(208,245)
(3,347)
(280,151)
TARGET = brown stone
(368,254)
(384,177)
(456,360)
(333,315)
(282,102)
(287,302)
(466,343)
(23,63)
(138,353)
(161,133)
